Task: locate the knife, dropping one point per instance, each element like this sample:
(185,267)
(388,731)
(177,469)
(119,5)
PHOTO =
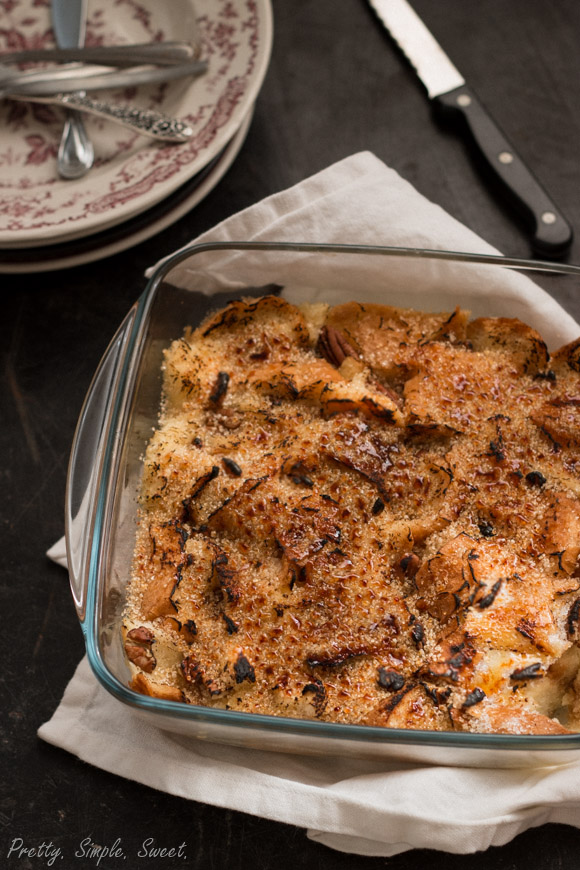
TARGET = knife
(551,233)
(92,78)
(75,154)
(126,54)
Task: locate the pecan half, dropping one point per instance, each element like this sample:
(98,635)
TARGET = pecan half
(141,635)
(334,347)
(142,657)
(410,564)
(190,669)
(387,391)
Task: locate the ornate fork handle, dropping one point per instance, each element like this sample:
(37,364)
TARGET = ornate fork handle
(147,122)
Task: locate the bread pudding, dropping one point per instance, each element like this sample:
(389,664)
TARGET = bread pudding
(363,514)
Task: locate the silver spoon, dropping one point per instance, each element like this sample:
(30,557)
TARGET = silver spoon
(75,154)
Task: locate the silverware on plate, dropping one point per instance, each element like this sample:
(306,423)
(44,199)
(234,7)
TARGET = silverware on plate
(62,89)
(92,78)
(75,154)
(128,54)
(146,122)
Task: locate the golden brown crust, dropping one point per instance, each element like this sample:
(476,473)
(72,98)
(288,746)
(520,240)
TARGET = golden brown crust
(145,686)
(363,514)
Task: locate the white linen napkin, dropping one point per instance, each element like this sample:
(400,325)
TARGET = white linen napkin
(364,807)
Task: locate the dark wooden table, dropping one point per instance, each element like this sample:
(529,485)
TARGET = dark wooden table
(335,86)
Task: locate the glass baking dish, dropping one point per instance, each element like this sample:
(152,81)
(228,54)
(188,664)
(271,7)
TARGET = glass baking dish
(121,409)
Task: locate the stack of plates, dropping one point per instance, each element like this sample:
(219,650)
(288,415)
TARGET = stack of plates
(137,187)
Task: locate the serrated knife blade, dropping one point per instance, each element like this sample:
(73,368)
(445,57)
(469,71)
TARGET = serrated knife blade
(431,63)
(551,234)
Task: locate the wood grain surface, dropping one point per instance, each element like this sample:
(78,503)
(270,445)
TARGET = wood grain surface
(336,85)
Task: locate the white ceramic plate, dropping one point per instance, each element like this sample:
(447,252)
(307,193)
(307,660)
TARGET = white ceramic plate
(139,229)
(131,173)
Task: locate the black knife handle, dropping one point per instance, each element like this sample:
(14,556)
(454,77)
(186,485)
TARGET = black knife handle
(551,233)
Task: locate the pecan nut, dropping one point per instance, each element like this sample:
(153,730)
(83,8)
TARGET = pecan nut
(142,657)
(141,635)
(387,391)
(334,347)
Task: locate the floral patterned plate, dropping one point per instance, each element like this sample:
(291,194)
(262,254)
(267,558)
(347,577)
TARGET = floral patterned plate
(131,173)
(112,240)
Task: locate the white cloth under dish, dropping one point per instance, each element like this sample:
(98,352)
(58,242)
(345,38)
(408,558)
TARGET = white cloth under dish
(363,807)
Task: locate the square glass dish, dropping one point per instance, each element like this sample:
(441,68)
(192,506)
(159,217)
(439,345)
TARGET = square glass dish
(122,408)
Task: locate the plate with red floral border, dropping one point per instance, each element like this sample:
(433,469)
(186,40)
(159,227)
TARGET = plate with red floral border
(131,173)
(113,240)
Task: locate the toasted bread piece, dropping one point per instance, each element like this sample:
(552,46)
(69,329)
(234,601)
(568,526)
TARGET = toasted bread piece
(140,683)
(523,344)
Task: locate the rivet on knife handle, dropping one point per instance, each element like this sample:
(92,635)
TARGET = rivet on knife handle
(551,233)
